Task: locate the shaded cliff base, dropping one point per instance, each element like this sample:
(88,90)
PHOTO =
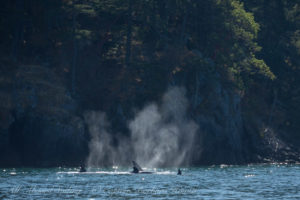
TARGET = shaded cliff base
(38,121)
(42,126)
(39,142)
(275,150)
(38,148)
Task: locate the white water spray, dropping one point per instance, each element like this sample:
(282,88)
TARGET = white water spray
(161,135)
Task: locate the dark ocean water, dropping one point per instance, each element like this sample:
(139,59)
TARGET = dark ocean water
(217,182)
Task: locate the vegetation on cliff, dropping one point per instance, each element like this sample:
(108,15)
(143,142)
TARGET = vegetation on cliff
(238,60)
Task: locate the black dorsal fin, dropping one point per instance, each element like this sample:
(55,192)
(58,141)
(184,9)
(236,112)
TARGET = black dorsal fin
(136,166)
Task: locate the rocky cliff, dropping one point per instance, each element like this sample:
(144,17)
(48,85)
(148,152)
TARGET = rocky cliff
(39,125)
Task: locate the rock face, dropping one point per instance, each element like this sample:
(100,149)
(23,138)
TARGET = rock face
(39,126)
(226,134)
(217,112)
(221,127)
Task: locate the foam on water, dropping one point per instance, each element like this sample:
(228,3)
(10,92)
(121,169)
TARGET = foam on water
(214,182)
(114,172)
(95,172)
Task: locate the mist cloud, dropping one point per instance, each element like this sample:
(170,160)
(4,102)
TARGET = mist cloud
(160,135)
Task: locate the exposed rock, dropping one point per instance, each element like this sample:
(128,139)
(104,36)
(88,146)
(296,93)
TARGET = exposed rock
(39,124)
(217,111)
(40,127)
(226,135)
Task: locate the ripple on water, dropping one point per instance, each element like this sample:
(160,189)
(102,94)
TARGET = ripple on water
(217,182)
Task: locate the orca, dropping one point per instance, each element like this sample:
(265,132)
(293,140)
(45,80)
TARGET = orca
(138,170)
(179,172)
(82,169)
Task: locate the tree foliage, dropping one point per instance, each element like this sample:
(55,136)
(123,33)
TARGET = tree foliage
(128,50)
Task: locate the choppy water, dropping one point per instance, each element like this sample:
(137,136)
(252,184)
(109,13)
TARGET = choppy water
(219,182)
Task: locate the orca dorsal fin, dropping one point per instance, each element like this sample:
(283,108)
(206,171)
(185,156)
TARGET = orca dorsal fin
(137,166)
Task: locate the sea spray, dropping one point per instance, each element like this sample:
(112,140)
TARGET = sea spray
(99,145)
(160,135)
(102,149)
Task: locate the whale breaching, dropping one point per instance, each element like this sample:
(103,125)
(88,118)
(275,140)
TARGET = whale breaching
(138,170)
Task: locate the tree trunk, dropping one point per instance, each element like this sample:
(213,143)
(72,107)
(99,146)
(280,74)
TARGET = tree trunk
(18,35)
(129,34)
(74,59)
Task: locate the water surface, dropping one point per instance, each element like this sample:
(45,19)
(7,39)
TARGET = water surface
(216,182)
